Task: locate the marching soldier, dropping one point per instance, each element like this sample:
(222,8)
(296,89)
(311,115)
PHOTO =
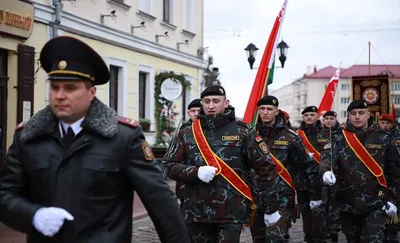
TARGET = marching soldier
(72,169)
(213,157)
(330,125)
(288,154)
(313,213)
(386,123)
(365,162)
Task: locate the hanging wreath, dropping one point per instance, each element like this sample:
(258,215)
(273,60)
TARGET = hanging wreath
(165,110)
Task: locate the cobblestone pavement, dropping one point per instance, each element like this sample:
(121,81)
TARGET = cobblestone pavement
(143,231)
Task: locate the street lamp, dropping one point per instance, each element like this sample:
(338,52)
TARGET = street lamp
(283,49)
(251,51)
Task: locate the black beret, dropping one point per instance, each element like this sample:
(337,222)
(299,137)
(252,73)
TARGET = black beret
(268,100)
(310,109)
(357,104)
(67,58)
(195,103)
(330,113)
(213,90)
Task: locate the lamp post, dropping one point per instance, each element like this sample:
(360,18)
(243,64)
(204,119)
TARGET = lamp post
(251,51)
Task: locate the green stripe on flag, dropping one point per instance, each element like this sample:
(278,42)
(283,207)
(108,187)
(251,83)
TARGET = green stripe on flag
(271,73)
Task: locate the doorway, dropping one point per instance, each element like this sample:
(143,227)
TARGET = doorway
(3,104)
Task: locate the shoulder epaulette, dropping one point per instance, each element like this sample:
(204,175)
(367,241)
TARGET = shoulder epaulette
(127,121)
(20,126)
(242,123)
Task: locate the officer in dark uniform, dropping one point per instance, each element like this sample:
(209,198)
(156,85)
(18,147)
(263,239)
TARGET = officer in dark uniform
(313,214)
(72,169)
(287,148)
(364,165)
(193,111)
(330,125)
(215,207)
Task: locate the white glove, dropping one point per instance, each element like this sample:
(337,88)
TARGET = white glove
(329,178)
(48,221)
(314,204)
(206,173)
(391,211)
(271,219)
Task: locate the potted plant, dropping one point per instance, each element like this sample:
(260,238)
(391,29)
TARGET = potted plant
(145,123)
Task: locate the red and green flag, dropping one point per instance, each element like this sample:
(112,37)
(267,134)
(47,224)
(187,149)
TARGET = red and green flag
(265,71)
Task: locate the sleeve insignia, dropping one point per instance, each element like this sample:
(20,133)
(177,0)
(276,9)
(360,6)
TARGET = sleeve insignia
(148,153)
(263,147)
(127,121)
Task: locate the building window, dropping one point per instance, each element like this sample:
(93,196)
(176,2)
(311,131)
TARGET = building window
(3,63)
(396,100)
(145,6)
(395,86)
(113,88)
(345,86)
(142,94)
(344,113)
(167,11)
(345,100)
(187,14)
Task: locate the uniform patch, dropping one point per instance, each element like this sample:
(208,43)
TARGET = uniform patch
(322,140)
(281,142)
(231,138)
(263,147)
(258,139)
(374,146)
(327,146)
(148,153)
(127,121)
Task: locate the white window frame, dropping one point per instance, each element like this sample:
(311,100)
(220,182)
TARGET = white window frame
(122,84)
(149,112)
(187,15)
(172,8)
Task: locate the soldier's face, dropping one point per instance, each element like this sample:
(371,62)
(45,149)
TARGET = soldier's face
(310,118)
(359,118)
(70,100)
(193,113)
(330,121)
(385,125)
(268,113)
(214,104)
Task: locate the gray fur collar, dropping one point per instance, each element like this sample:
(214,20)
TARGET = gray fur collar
(100,119)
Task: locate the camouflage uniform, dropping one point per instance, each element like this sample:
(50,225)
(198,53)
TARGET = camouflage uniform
(329,192)
(287,147)
(392,228)
(360,197)
(215,211)
(314,221)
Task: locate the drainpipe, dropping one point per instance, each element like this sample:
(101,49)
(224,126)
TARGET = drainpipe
(58,6)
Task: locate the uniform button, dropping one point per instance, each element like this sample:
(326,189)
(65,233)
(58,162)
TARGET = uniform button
(101,167)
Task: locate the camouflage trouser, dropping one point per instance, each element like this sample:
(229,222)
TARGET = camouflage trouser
(314,221)
(214,233)
(275,233)
(333,220)
(364,228)
(391,230)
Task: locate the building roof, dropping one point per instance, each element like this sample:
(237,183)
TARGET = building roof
(355,70)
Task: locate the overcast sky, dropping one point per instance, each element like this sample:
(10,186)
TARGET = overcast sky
(319,32)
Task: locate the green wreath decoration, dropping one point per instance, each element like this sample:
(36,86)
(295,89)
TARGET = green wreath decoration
(164,109)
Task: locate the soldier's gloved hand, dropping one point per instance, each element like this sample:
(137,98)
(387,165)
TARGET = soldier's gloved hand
(391,211)
(48,221)
(206,173)
(329,178)
(314,204)
(271,219)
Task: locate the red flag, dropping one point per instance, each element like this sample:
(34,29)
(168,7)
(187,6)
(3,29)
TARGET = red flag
(260,83)
(327,99)
(393,113)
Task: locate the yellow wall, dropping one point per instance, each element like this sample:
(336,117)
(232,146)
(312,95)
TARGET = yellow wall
(133,60)
(37,40)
